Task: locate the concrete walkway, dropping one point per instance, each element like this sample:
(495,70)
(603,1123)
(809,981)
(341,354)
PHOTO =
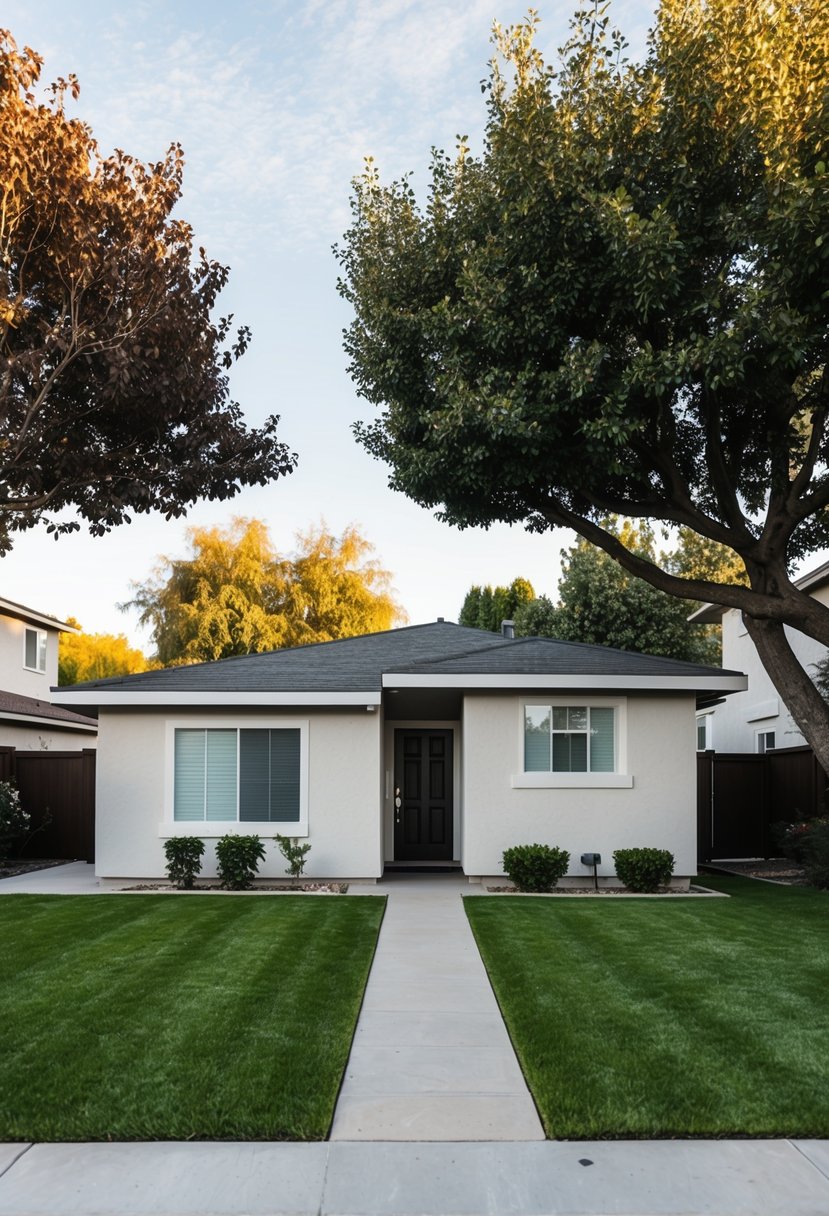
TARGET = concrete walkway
(431,1058)
(75,878)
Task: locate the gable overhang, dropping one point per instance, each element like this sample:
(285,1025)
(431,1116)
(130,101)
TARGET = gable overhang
(265,700)
(521,681)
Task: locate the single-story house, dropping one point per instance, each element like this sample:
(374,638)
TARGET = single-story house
(429,744)
(757,719)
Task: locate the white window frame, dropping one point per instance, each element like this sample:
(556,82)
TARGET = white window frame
(619,779)
(707,720)
(758,734)
(41,648)
(223,827)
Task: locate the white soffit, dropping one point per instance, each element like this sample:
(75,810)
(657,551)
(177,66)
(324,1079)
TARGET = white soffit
(723,683)
(199,700)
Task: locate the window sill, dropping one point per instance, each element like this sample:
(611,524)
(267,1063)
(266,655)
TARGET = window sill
(571,781)
(232,827)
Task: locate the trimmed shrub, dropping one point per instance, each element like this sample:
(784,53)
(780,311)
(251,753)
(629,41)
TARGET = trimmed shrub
(816,853)
(792,839)
(238,858)
(644,870)
(535,867)
(184,854)
(294,853)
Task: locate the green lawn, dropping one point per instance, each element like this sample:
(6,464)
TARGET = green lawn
(178,1017)
(651,1018)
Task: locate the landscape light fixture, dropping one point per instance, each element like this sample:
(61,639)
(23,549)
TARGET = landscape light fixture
(594,860)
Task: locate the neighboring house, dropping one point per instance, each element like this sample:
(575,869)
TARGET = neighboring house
(28,669)
(757,719)
(429,744)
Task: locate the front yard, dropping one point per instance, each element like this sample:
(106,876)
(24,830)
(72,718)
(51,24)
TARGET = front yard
(661,1018)
(170,1018)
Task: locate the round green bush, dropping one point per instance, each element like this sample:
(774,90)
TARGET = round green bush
(644,870)
(535,867)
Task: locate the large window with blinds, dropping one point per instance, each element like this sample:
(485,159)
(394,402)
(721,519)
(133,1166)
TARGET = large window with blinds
(569,739)
(246,775)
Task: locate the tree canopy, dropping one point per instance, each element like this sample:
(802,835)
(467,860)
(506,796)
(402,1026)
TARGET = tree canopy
(600,603)
(486,607)
(114,395)
(620,306)
(236,595)
(95,656)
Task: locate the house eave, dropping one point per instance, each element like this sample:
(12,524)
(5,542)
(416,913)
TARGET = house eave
(269,699)
(690,684)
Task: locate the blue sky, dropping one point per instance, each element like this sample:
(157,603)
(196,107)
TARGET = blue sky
(276,104)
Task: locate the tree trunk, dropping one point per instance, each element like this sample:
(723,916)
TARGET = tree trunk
(802,699)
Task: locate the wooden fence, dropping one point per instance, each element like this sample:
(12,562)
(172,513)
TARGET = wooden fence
(58,791)
(739,795)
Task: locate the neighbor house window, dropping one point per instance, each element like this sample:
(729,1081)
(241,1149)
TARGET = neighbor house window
(704,724)
(569,739)
(246,775)
(765,741)
(34,649)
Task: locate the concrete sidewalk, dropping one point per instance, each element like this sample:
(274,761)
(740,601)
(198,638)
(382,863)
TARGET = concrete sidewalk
(608,1178)
(431,1058)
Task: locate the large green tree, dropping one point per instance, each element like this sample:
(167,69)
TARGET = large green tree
(114,395)
(599,602)
(486,607)
(236,595)
(621,306)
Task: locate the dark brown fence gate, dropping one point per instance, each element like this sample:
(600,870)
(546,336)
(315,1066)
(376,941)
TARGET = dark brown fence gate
(58,791)
(739,795)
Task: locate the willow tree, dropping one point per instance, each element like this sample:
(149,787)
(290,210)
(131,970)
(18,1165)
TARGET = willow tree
(620,307)
(235,594)
(114,394)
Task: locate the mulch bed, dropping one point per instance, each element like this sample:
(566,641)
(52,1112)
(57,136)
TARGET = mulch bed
(771,869)
(618,892)
(9,868)
(312,888)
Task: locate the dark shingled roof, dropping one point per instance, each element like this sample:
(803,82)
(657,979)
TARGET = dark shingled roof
(358,664)
(30,707)
(549,656)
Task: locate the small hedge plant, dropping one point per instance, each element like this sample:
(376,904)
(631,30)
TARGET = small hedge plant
(644,870)
(535,867)
(238,858)
(816,853)
(184,854)
(294,853)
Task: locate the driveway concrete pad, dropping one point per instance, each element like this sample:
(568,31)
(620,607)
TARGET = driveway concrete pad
(201,1179)
(671,1178)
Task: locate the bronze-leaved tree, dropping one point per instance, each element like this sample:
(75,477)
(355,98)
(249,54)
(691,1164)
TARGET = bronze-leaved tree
(621,306)
(113,376)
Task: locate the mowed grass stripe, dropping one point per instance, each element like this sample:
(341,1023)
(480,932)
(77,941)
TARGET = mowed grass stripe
(147,1017)
(646,1018)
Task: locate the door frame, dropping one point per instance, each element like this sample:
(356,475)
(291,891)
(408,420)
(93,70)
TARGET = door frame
(392,725)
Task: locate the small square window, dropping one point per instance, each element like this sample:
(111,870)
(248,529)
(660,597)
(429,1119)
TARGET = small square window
(34,649)
(765,741)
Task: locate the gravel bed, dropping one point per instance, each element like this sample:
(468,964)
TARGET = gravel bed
(9,869)
(259,888)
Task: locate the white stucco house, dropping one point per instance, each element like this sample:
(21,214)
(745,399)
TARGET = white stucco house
(28,669)
(756,719)
(431,744)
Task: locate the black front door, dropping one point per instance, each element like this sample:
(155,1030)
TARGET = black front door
(423,795)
